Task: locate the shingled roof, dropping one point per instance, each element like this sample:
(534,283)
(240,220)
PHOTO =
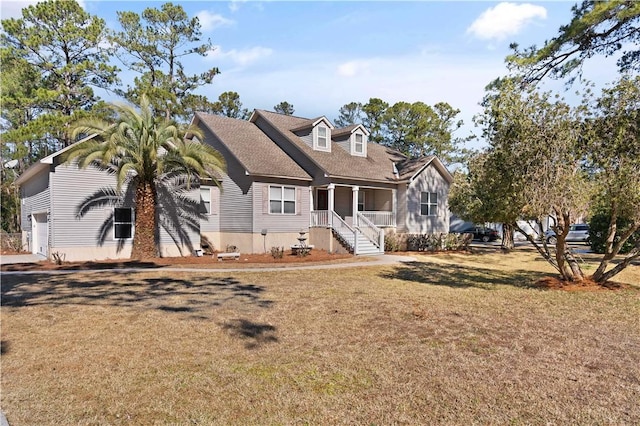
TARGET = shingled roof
(377,166)
(258,154)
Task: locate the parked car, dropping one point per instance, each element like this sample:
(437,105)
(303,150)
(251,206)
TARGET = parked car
(578,233)
(481,233)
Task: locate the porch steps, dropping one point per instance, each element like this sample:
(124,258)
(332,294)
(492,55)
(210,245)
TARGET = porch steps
(365,246)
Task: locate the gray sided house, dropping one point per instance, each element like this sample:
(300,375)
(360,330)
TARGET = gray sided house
(288,175)
(77,214)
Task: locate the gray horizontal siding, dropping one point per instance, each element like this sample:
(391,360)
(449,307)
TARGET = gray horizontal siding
(280,222)
(35,198)
(235,207)
(211,222)
(430,180)
(180,220)
(69,189)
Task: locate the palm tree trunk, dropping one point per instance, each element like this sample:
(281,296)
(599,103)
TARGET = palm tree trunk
(144,239)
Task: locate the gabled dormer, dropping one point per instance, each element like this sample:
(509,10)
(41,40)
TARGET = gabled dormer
(352,139)
(316,133)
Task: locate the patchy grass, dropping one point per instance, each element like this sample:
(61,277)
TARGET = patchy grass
(450,339)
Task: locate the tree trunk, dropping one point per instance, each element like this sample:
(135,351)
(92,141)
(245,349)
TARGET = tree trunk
(144,239)
(507,236)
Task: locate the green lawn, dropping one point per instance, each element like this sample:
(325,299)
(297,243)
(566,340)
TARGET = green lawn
(456,339)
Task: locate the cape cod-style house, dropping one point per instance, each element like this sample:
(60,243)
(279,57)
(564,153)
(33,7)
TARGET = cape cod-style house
(286,175)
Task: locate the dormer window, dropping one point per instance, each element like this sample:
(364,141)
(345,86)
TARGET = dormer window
(321,138)
(359,144)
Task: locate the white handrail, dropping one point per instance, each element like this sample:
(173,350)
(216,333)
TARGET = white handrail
(371,231)
(343,229)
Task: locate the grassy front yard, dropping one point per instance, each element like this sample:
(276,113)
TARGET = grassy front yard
(455,339)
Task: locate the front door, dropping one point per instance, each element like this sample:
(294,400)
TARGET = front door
(322,202)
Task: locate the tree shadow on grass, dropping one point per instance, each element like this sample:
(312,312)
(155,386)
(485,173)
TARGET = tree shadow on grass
(197,297)
(460,276)
(253,333)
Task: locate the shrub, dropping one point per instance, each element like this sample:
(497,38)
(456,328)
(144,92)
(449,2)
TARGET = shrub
(11,242)
(392,242)
(598,227)
(277,252)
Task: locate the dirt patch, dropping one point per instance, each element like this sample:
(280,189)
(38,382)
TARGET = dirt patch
(555,283)
(206,261)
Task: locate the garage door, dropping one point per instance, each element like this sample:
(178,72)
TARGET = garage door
(41,234)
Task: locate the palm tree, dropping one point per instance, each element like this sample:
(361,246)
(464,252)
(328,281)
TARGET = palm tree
(142,150)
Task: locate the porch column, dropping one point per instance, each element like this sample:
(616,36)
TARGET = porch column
(354,203)
(311,221)
(331,187)
(394,207)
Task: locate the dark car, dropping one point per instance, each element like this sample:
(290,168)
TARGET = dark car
(483,234)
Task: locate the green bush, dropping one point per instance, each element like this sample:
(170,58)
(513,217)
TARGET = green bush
(598,227)
(392,242)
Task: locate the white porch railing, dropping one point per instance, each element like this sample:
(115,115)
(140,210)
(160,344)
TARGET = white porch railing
(366,238)
(380,218)
(319,218)
(371,231)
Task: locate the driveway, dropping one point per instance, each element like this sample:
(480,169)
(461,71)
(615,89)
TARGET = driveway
(21,258)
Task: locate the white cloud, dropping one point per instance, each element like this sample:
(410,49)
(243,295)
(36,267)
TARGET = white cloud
(505,20)
(211,21)
(240,57)
(352,68)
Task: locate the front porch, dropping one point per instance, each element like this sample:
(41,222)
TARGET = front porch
(333,207)
(377,205)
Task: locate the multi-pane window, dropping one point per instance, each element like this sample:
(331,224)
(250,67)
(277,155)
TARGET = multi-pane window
(282,200)
(429,204)
(358,144)
(205,198)
(322,138)
(122,223)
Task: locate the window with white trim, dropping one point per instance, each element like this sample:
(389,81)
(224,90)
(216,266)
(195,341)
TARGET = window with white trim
(123,223)
(205,199)
(428,204)
(282,199)
(322,135)
(358,143)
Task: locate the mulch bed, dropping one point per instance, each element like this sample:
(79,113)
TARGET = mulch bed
(206,261)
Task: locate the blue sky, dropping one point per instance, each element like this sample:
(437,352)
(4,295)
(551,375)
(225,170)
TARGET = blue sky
(319,56)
